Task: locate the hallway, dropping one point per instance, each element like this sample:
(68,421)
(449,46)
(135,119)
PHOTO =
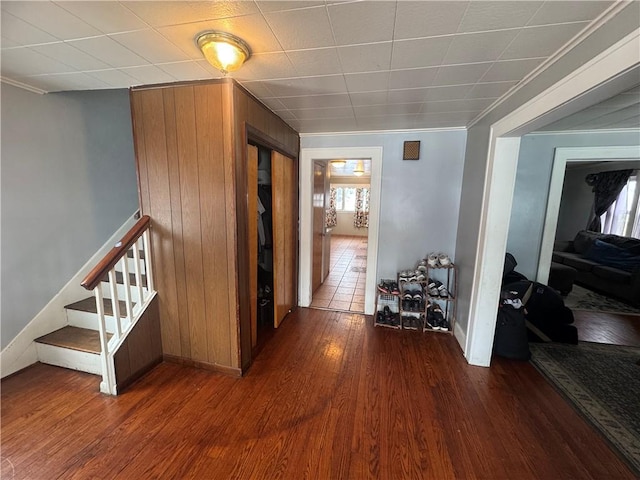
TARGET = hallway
(343,289)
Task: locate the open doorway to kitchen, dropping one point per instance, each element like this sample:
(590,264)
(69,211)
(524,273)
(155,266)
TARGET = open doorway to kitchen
(341,208)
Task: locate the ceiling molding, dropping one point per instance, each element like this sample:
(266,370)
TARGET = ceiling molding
(379,132)
(21,85)
(584,132)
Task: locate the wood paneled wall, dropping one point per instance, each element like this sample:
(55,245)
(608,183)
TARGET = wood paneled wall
(190,144)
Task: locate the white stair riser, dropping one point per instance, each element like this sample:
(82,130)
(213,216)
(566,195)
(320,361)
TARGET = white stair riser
(89,320)
(132,266)
(106,292)
(67,358)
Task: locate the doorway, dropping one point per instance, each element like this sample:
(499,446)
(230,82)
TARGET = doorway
(308,157)
(341,198)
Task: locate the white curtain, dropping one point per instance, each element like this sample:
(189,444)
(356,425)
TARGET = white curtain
(623,216)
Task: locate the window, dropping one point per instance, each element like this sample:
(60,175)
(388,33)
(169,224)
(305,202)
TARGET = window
(346,197)
(623,216)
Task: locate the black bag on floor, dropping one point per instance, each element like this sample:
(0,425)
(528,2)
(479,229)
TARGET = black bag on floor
(511,340)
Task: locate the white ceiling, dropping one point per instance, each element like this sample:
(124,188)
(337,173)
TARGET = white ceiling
(346,169)
(320,65)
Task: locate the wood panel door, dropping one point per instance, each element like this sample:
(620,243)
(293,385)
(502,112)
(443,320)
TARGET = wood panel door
(319,174)
(252,206)
(284,235)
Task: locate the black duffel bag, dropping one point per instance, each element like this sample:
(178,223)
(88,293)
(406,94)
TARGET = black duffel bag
(511,340)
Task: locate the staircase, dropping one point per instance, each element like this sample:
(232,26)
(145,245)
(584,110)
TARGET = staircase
(77,345)
(98,325)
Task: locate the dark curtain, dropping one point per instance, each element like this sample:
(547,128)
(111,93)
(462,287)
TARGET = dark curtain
(606,188)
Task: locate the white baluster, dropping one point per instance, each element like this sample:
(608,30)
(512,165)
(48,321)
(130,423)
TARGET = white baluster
(136,266)
(147,260)
(127,288)
(115,304)
(104,344)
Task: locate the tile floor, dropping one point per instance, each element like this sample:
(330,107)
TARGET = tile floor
(343,289)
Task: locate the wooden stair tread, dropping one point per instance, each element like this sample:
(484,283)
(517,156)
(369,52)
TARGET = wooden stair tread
(74,338)
(132,278)
(89,305)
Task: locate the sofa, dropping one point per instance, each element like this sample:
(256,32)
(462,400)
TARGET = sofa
(609,264)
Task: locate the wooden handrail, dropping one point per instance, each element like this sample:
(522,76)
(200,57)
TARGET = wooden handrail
(109,261)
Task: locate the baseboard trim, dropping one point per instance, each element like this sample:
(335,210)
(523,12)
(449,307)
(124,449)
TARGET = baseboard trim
(214,367)
(460,335)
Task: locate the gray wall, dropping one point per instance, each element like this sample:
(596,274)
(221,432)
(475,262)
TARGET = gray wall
(419,199)
(68,183)
(533,177)
(478,145)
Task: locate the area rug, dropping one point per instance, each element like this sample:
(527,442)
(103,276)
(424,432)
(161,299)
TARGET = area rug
(582,299)
(603,383)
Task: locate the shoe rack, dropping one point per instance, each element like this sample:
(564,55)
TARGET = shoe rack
(387,308)
(412,304)
(448,277)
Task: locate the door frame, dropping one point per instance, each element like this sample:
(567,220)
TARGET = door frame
(307,157)
(582,87)
(561,157)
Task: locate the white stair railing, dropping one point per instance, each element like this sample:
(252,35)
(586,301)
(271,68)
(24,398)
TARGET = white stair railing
(137,240)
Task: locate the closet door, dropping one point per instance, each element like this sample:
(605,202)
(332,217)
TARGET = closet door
(284,235)
(252,206)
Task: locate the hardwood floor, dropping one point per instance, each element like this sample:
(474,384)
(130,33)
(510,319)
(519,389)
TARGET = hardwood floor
(615,329)
(329,397)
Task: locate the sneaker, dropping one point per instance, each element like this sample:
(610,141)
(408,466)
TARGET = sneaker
(383,287)
(422,266)
(393,288)
(444,325)
(444,260)
(433,288)
(442,290)
(432,260)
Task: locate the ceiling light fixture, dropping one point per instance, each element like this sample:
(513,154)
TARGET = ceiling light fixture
(359,170)
(338,163)
(224,51)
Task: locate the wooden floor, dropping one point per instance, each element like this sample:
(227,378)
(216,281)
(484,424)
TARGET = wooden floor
(329,397)
(615,329)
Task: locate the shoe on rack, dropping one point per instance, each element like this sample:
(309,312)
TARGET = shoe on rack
(442,290)
(420,277)
(383,287)
(432,260)
(422,266)
(444,325)
(393,288)
(444,260)
(433,288)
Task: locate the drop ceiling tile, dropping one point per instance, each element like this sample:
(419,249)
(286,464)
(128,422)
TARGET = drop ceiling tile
(365,58)
(494,15)
(435,18)
(259,89)
(251,28)
(65,53)
(24,62)
(330,112)
(451,118)
(472,105)
(388,109)
(151,46)
(367,82)
(414,78)
(390,122)
(265,66)
(108,17)
(274,104)
(22,32)
(490,90)
(184,71)
(368,98)
(148,74)
(285,115)
(278,6)
(160,14)
(109,51)
(625,99)
(362,22)
(72,81)
(457,92)
(478,47)
(315,62)
(413,95)
(114,78)
(6,43)
(611,118)
(564,12)
(316,101)
(298,29)
(633,122)
(330,84)
(325,125)
(460,74)
(51,18)
(426,52)
(541,41)
(510,70)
